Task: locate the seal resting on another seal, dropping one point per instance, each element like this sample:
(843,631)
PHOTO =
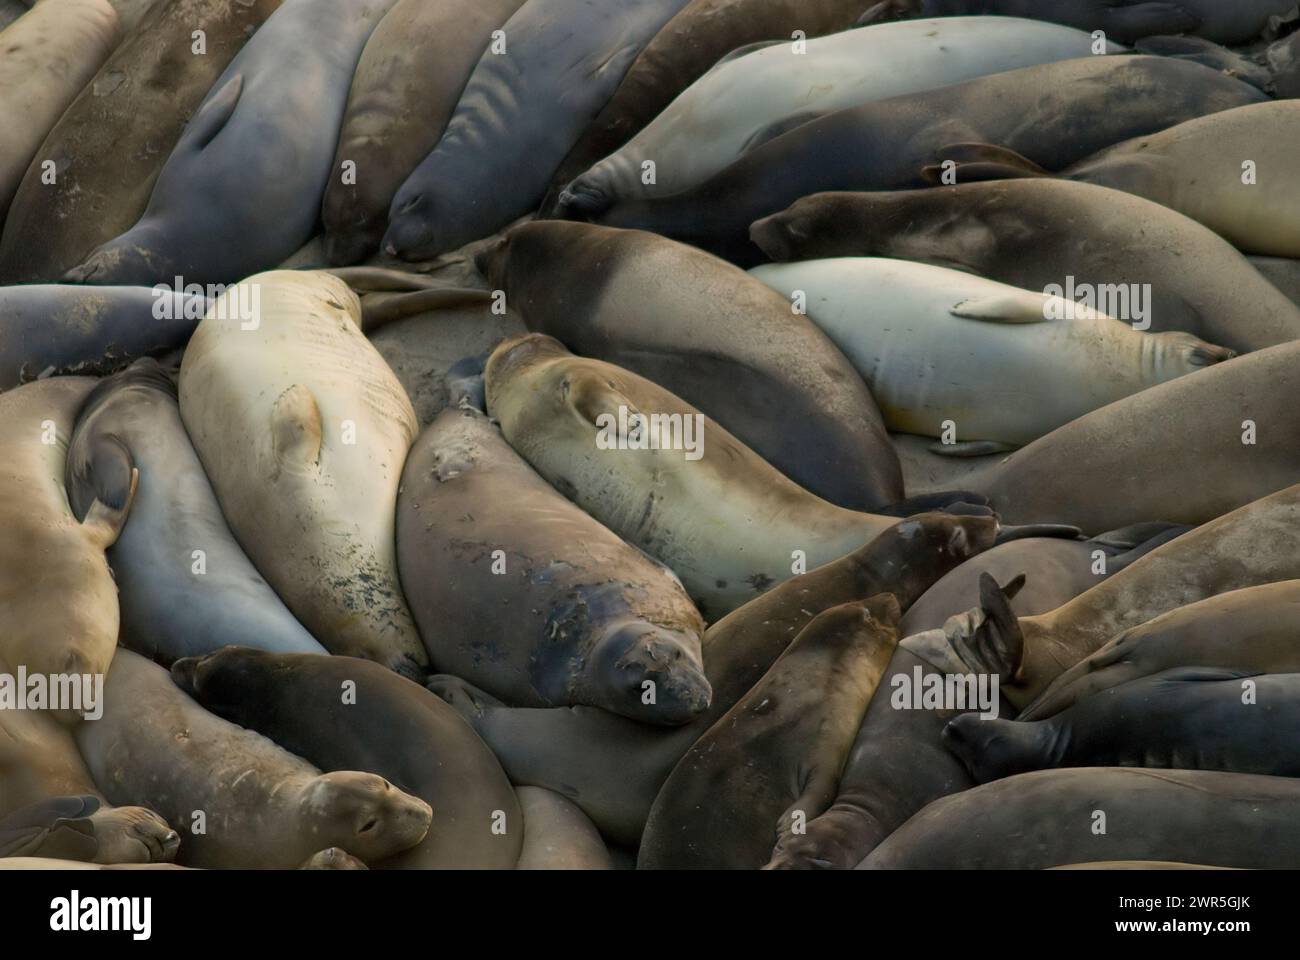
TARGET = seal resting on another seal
(261,807)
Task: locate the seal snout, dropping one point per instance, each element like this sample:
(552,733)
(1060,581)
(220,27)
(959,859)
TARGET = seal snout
(650,674)
(991,749)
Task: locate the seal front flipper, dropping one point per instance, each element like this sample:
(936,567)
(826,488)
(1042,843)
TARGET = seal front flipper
(1025,531)
(971,448)
(820,787)
(980,161)
(296,428)
(932,503)
(779,128)
(1016,307)
(213,115)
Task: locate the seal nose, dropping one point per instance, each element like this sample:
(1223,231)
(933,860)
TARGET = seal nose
(654,679)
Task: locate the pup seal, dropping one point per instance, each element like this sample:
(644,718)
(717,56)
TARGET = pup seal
(1005,365)
(111,142)
(700,328)
(518,591)
(303,430)
(260,806)
(301,702)
(774,760)
(185,586)
(1219,819)
(1011,231)
(1188,718)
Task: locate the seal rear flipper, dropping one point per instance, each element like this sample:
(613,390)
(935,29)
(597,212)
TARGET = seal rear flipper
(213,115)
(296,428)
(972,161)
(989,638)
(971,448)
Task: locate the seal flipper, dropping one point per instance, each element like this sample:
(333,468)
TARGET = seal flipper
(989,638)
(58,828)
(115,478)
(1025,531)
(819,789)
(213,115)
(779,128)
(932,503)
(1011,307)
(971,448)
(981,161)
(296,428)
(1210,54)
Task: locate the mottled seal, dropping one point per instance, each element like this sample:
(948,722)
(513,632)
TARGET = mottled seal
(185,586)
(1250,628)
(407,83)
(50,53)
(554,407)
(887,145)
(341,713)
(241,191)
(583,753)
(111,142)
(307,464)
(518,591)
(704,32)
(525,105)
(59,605)
(721,341)
(49,329)
(1004,365)
(773,761)
(1010,230)
(558,835)
(1220,819)
(1187,718)
(239,800)
(754,95)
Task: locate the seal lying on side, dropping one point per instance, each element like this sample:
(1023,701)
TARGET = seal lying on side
(558,835)
(754,95)
(888,144)
(303,430)
(50,53)
(721,518)
(50,329)
(1188,718)
(774,761)
(242,189)
(1005,365)
(59,603)
(341,713)
(584,753)
(1253,628)
(1061,570)
(1220,819)
(1156,265)
(689,44)
(84,828)
(524,107)
(111,142)
(185,585)
(719,340)
(241,801)
(407,83)
(518,591)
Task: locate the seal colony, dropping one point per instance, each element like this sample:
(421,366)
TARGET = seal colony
(586,434)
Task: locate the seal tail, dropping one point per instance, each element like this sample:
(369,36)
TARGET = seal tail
(970,162)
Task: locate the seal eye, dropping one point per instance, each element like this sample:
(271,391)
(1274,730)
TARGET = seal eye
(370,825)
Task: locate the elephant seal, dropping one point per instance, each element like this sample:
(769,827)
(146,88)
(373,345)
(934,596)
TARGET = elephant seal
(241,191)
(1130,21)
(1228,171)
(407,83)
(1282,272)
(1152,264)
(83,828)
(1005,365)
(558,835)
(768,376)
(111,142)
(50,54)
(1219,819)
(52,329)
(59,605)
(341,713)
(1061,570)
(321,441)
(1250,628)
(524,107)
(241,801)
(754,95)
(588,619)
(892,144)
(583,753)
(688,46)
(1216,425)
(556,410)
(774,760)
(1188,718)
(185,586)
